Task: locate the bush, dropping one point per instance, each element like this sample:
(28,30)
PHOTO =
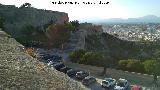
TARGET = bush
(122,64)
(88,58)
(91,58)
(76,55)
(131,65)
(135,66)
(149,66)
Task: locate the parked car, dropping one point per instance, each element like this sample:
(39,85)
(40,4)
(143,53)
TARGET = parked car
(72,72)
(88,80)
(108,82)
(51,63)
(122,84)
(81,75)
(56,58)
(45,56)
(65,69)
(136,87)
(58,66)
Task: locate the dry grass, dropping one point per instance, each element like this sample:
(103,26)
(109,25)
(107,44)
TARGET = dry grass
(30,51)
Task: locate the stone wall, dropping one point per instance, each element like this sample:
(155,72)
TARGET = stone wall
(16,18)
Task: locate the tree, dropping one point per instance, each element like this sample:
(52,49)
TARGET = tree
(57,35)
(76,55)
(152,67)
(25,5)
(75,23)
(70,27)
(92,58)
(156,71)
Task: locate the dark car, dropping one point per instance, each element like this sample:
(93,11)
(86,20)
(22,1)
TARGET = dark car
(56,58)
(81,75)
(58,66)
(88,80)
(65,69)
(45,56)
(72,72)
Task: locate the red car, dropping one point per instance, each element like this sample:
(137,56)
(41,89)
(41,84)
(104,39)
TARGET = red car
(136,87)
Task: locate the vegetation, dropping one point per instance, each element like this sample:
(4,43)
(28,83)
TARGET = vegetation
(147,66)
(30,51)
(89,58)
(54,35)
(75,23)
(70,27)
(57,35)
(31,36)
(2,22)
(131,65)
(25,5)
(77,55)
(92,58)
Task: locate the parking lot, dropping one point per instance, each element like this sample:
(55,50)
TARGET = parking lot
(145,81)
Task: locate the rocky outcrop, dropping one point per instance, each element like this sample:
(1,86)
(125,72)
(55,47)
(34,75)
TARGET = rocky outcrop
(19,71)
(17,18)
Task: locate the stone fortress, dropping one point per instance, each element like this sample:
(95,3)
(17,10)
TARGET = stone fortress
(16,18)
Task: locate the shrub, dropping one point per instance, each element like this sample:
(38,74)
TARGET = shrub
(135,66)
(131,65)
(76,55)
(91,58)
(149,66)
(122,64)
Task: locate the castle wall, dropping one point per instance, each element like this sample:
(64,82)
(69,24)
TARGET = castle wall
(16,18)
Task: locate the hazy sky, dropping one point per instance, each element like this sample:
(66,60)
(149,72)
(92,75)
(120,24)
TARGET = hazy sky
(115,9)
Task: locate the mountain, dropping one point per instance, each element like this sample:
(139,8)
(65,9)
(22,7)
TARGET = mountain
(145,19)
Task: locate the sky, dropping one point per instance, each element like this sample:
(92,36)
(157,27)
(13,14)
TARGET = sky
(115,9)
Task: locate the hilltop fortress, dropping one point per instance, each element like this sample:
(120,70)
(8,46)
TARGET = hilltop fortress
(16,18)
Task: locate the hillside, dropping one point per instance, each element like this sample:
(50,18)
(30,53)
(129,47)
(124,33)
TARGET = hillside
(19,71)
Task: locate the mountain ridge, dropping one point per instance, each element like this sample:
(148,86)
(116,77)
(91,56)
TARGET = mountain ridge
(144,19)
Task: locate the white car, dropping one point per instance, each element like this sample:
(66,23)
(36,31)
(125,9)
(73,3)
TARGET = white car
(108,82)
(122,84)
